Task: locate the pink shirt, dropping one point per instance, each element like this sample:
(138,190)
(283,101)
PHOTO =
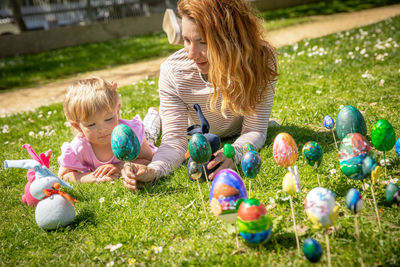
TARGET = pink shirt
(78,155)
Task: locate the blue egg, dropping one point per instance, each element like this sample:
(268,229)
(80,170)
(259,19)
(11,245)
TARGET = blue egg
(251,163)
(328,122)
(312,250)
(257,238)
(398,147)
(124,143)
(354,200)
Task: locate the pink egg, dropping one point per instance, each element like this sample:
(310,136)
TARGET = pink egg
(285,150)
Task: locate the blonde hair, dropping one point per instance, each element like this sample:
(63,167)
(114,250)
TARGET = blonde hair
(242,62)
(88,96)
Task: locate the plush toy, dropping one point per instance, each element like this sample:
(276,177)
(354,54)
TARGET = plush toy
(55,207)
(44,160)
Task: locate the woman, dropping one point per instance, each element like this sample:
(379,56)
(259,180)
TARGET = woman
(229,69)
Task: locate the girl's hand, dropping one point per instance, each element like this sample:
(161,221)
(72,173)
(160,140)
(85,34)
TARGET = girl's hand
(135,173)
(63,171)
(226,163)
(105,170)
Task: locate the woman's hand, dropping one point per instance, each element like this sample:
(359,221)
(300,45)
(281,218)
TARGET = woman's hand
(135,173)
(226,163)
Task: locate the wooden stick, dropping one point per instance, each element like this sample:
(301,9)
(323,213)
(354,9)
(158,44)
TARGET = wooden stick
(294,224)
(334,138)
(249,188)
(358,239)
(237,238)
(202,199)
(384,162)
(319,183)
(261,255)
(205,173)
(328,249)
(376,208)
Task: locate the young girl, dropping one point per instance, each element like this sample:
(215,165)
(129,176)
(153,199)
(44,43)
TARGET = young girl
(92,107)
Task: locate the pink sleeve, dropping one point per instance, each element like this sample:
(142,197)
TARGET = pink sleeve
(137,126)
(72,156)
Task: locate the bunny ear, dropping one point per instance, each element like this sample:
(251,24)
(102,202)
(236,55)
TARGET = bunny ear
(45,157)
(32,153)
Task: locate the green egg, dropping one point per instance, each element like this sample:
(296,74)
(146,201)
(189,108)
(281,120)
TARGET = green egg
(382,135)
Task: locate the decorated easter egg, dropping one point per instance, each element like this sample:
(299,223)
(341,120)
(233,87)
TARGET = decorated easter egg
(199,148)
(354,200)
(353,151)
(328,122)
(248,147)
(124,143)
(392,193)
(320,207)
(312,151)
(251,163)
(195,170)
(253,222)
(312,250)
(383,136)
(229,151)
(398,147)
(53,212)
(289,183)
(285,150)
(350,120)
(226,189)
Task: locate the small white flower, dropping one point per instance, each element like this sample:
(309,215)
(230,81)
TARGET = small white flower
(362,52)
(6,142)
(366,75)
(394,180)
(381,82)
(382,162)
(111,263)
(101,200)
(285,198)
(6,129)
(366,186)
(40,115)
(113,247)
(332,172)
(31,133)
(337,61)
(67,124)
(272,200)
(157,249)
(49,113)
(341,106)
(318,92)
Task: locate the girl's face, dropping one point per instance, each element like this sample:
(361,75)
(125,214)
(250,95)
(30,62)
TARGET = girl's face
(195,45)
(98,127)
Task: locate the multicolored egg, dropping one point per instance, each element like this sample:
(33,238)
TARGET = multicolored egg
(248,147)
(382,135)
(320,207)
(312,250)
(229,151)
(124,143)
(392,193)
(353,151)
(328,122)
(199,148)
(226,189)
(312,151)
(354,200)
(289,183)
(254,224)
(195,170)
(350,120)
(398,147)
(285,150)
(251,164)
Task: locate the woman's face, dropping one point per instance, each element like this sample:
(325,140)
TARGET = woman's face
(195,45)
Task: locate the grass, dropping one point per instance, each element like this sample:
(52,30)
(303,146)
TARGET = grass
(165,225)
(35,69)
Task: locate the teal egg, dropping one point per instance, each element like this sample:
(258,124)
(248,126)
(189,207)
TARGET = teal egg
(312,250)
(382,135)
(392,193)
(350,120)
(199,148)
(124,143)
(251,164)
(312,151)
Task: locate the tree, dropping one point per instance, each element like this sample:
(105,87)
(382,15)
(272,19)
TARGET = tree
(16,8)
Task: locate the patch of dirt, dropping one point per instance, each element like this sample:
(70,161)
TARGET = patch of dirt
(31,98)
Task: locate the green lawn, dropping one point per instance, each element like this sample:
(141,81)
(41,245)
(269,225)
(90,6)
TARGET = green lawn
(165,225)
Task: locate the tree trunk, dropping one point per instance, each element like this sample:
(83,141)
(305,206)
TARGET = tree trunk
(16,8)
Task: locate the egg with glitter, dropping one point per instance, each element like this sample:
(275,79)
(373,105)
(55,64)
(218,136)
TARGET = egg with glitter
(251,164)
(392,193)
(312,250)
(285,150)
(328,122)
(382,135)
(353,150)
(254,224)
(199,148)
(350,120)
(226,189)
(124,143)
(320,207)
(195,170)
(248,147)
(229,151)
(312,151)
(354,200)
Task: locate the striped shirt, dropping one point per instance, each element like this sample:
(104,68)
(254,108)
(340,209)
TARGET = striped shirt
(180,87)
